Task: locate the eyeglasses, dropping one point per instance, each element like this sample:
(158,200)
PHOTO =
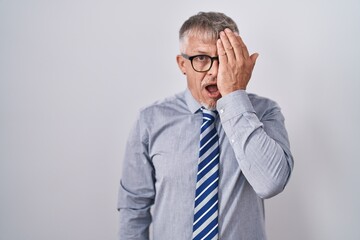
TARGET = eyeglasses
(201,63)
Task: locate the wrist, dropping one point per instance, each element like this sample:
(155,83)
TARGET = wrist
(227,91)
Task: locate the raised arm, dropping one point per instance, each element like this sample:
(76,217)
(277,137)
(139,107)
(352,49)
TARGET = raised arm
(260,142)
(258,136)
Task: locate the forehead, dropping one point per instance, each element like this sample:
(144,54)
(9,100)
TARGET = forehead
(197,44)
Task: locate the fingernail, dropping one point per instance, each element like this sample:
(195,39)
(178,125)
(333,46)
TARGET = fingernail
(227,30)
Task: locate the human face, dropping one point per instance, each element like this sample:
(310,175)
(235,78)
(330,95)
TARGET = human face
(202,85)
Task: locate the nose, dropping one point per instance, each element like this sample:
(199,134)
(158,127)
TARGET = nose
(214,68)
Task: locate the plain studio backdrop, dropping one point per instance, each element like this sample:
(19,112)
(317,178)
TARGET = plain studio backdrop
(73,75)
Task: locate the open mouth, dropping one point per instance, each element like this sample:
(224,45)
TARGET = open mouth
(213,90)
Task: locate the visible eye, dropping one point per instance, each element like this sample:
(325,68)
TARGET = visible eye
(202,58)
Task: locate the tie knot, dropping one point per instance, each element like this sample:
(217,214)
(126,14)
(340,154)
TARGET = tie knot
(209,115)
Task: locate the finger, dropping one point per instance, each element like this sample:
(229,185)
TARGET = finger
(227,46)
(221,52)
(253,58)
(244,49)
(235,43)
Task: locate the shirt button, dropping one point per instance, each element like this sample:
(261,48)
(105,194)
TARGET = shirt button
(232,140)
(222,111)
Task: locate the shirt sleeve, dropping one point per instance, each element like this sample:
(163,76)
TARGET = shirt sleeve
(261,145)
(136,191)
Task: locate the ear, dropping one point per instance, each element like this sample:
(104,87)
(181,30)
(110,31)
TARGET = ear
(181,63)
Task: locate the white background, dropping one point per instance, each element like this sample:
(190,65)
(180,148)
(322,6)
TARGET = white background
(73,75)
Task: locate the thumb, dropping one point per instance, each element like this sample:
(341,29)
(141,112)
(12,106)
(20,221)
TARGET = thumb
(253,58)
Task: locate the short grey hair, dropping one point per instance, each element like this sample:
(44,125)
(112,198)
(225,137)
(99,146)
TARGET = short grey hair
(206,25)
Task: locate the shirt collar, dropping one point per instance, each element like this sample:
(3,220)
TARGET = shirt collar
(192,104)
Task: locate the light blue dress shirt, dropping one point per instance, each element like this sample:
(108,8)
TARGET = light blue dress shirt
(157,187)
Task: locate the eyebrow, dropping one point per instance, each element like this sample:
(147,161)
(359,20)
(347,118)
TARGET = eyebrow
(200,51)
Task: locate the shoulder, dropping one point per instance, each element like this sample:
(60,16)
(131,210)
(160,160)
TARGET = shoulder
(257,100)
(263,106)
(172,105)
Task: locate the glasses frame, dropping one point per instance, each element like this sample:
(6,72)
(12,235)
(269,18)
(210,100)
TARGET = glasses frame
(200,55)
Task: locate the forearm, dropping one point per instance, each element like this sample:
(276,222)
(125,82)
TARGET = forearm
(263,162)
(134,222)
(263,156)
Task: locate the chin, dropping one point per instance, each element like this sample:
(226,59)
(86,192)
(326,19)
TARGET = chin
(209,105)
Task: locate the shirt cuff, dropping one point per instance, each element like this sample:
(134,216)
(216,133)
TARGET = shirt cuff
(234,104)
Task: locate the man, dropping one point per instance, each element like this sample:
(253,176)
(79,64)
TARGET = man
(195,173)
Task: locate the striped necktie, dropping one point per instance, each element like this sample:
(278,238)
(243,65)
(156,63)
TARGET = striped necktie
(205,224)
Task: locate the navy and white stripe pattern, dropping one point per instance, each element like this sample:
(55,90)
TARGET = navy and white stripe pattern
(205,224)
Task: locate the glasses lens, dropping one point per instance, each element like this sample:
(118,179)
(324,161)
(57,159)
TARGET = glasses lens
(201,63)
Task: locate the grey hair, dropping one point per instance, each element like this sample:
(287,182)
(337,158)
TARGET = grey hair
(206,25)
